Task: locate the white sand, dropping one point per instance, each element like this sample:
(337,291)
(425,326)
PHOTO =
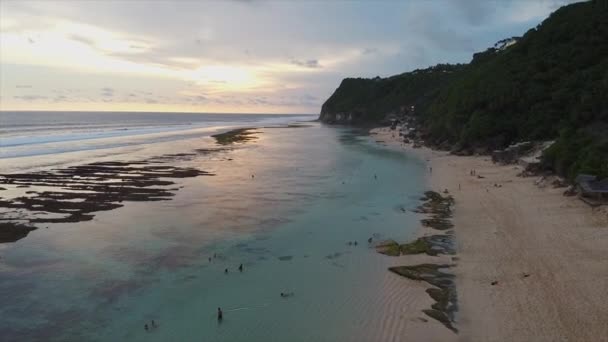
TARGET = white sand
(519,228)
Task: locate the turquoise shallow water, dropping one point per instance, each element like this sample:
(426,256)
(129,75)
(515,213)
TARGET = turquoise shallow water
(314,190)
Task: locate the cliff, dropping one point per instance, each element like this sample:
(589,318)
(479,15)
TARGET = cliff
(550,84)
(364,101)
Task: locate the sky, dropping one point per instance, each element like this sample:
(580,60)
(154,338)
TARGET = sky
(233,56)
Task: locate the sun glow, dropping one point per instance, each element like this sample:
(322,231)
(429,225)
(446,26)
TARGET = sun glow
(224,77)
(94,57)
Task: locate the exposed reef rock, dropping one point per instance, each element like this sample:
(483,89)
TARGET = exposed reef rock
(75,193)
(430,245)
(235,136)
(11,231)
(388,247)
(444,292)
(438,207)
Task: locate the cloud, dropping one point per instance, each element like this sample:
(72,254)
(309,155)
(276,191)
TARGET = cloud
(107,92)
(82,39)
(292,55)
(30,98)
(527,11)
(311,63)
(475,12)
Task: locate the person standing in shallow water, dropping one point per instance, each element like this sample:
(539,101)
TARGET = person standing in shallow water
(220,314)
(241,268)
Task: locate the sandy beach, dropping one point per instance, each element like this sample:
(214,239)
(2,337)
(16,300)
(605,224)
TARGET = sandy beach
(545,253)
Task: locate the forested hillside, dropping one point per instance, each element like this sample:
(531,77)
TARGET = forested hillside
(552,83)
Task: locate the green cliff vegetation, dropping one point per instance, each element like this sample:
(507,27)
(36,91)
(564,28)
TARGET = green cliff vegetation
(369,100)
(552,83)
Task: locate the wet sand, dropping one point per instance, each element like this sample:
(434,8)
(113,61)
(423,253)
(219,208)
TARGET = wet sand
(544,253)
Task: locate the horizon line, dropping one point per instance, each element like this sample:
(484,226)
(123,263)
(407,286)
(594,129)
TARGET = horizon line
(137,111)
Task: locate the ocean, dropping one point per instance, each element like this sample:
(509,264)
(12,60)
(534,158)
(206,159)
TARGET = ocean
(288,205)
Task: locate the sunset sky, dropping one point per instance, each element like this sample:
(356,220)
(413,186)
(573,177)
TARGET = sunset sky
(232,56)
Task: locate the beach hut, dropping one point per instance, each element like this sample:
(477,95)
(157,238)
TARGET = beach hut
(591,188)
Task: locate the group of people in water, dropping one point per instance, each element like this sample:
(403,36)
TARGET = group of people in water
(220,313)
(240,269)
(151,326)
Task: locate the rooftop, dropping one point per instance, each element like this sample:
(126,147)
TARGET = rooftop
(589,183)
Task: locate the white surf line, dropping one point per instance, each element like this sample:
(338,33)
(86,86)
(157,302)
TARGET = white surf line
(248,308)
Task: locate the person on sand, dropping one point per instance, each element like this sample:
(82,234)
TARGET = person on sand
(146,326)
(241,268)
(226,271)
(153,324)
(220,314)
(369,240)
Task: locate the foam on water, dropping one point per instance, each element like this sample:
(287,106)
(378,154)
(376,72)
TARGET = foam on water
(38,133)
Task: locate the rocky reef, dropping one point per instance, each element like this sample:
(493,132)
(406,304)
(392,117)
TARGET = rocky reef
(73,194)
(438,210)
(240,135)
(443,292)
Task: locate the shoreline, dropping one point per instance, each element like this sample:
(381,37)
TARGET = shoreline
(276,225)
(531,262)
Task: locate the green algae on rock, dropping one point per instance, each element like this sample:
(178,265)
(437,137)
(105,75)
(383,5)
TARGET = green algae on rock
(430,245)
(437,223)
(388,247)
(240,135)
